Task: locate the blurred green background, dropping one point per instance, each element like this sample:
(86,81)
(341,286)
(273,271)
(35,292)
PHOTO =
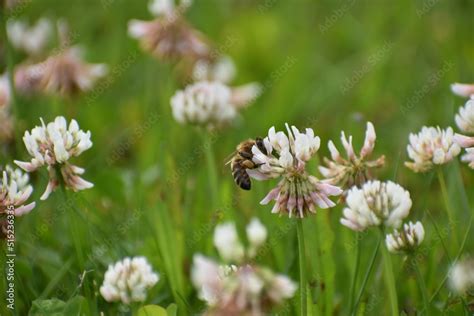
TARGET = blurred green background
(328,65)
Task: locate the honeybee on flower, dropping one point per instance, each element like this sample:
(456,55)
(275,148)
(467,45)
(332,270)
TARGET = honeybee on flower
(284,156)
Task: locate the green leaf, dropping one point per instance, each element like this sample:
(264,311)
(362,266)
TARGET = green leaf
(75,306)
(52,307)
(172,310)
(152,310)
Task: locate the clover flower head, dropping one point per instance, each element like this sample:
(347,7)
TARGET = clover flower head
(206,103)
(169,36)
(461,276)
(15,191)
(52,145)
(65,74)
(221,70)
(227,242)
(376,203)
(256,233)
(431,146)
(467,143)
(167,7)
(463,89)
(407,239)
(128,280)
(285,156)
(465,117)
(353,170)
(30,39)
(239,290)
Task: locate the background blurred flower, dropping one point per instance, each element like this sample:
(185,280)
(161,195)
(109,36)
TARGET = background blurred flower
(407,239)
(465,117)
(463,89)
(204,103)
(461,276)
(298,193)
(66,73)
(221,70)
(15,191)
(128,280)
(376,203)
(53,145)
(30,39)
(431,146)
(6,121)
(355,170)
(227,243)
(169,36)
(239,290)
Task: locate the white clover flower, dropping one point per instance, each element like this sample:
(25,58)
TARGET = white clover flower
(465,117)
(222,70)
(285,156)
(256,233)
(205,103)
(355,170)
(53,145)
(128,280)
(407,239)
(376,203)
(30,39)
(461,276)
(15,191)
(227,242)
(463,89)
(431,146)
(238,290)
(65,74)
(468,143)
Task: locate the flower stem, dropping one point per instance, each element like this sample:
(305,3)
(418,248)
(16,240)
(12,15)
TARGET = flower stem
(444,192)
(422,285)
(366,277)
(356,272)
(389,278)
(211,168)
(302,263)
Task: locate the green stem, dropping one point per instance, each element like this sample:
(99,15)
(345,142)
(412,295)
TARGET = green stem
(389,278)
(302,264)
(356,272)
(366,277)
(422,285)
(211,168)
(449,210)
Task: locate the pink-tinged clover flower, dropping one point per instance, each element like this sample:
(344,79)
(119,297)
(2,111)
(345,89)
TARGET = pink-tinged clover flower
(354,169)
(15,190)
(52,145)
(285,156)
(431,146)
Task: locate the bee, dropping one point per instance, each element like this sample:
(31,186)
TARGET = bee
(242,161)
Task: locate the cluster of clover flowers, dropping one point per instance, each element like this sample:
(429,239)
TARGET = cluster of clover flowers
(237,285)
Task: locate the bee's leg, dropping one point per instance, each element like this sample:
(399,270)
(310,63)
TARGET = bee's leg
(246,155)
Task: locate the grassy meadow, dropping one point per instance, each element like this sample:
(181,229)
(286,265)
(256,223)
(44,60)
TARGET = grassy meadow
(328,65)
